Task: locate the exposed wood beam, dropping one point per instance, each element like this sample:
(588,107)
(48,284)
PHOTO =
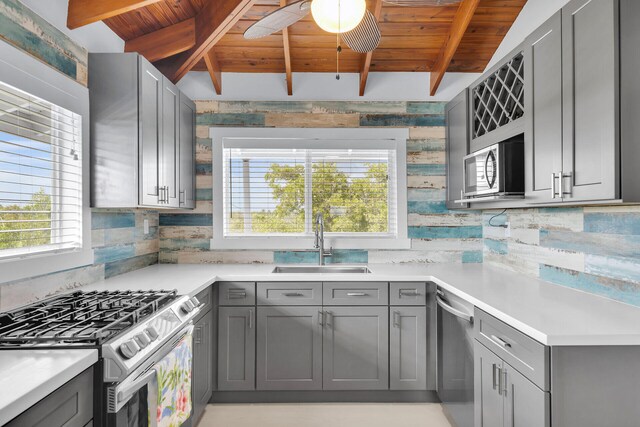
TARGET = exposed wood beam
(459,26)
(212,23)
(366,63)
(287,55)
(214,70)
(83,12)
(166,42)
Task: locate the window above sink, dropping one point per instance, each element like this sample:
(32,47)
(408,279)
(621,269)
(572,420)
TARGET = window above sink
(271,183)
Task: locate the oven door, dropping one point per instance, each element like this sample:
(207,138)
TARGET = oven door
(481,173)
(127,402)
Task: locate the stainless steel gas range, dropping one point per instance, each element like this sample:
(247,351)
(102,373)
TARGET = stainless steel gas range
(132,330)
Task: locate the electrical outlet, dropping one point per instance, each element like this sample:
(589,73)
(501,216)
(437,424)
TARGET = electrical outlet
(146,226)
(507,229)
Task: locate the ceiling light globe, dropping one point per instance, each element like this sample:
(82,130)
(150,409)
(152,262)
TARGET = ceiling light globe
(325,13)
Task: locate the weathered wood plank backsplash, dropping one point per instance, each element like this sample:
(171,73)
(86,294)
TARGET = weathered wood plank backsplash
(438,234)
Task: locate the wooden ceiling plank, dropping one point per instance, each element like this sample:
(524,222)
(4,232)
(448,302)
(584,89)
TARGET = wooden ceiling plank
(212,23)
(84,12)
(459,26)
(213,67)
(166,42)
(287,55)
(366,63)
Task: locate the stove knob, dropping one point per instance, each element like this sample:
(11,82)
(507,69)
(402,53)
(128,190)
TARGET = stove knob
(152,332)
(129,349)
(185,308)
(191,305)
(142,339)
(195,301)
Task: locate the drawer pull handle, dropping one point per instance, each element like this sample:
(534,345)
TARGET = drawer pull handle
(409,292)
(293,294)
(500,341)
(396,319)
(237,294)
(357,294)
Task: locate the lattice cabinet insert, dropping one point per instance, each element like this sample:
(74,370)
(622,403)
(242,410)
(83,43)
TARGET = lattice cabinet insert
(499,99)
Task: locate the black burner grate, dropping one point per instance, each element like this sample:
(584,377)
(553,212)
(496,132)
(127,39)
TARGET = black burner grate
(79,318)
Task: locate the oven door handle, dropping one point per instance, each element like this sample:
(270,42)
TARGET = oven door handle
(126,392)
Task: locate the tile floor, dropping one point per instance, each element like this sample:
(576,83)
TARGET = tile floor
(325,415)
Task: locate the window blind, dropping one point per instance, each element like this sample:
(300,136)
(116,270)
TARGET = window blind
(40,175)
(280,191)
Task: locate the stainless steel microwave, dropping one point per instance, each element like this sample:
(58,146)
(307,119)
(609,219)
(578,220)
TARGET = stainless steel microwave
(497,170)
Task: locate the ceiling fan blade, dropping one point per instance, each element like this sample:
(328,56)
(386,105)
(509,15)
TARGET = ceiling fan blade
(278,19)
(365,37)
(420,3)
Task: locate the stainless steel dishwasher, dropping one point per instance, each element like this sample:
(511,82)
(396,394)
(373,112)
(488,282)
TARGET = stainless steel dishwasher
(455,357)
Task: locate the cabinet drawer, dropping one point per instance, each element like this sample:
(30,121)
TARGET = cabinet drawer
(205,297)
(407,293)
(70,406)
(290,293)
(522,352)
(355,293)
(237,293)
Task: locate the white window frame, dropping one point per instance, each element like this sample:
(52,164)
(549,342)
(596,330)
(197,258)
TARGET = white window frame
(391,138)
(26,73)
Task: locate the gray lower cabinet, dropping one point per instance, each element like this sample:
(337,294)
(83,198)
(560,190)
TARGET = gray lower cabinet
(356,348)
(504,397)
(236,348)
(543,103)
(202,377)
(457,129)
(69,406)
(408,348)
(289,348)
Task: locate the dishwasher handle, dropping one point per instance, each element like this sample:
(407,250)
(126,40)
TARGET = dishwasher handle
(446,307)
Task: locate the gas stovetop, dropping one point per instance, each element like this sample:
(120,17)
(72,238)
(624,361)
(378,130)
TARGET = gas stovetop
(79,319)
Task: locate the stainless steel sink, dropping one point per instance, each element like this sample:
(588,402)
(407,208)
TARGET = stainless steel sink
(337,269)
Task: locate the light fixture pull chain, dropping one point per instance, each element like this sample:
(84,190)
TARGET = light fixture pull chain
(338,48)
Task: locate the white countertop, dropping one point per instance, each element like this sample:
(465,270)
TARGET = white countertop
(28,376)
(551,314)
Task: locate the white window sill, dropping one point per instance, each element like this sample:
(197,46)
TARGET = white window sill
(306,243)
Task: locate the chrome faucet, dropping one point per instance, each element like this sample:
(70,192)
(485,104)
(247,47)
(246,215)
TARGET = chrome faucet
(319,242)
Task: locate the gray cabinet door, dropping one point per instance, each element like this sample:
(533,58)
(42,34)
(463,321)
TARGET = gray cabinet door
(169,143)
(186,194)
(457,129)
(489,404)
(408,348)
(590,100)
(150,102)
(543,103)
(356,348)
(236,348)
(525,404)
(289,349)
(202,364)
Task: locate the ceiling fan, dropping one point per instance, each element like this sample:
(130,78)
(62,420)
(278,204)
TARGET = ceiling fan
(348,19)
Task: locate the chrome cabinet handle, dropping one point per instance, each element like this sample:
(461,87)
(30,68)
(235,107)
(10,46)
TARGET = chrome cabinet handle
(329,319)
(396,319)
(181,194)
(495,376)
(554,190)
(236,294)
(320,317)
(500,341)
(409,292)
(500,381)
(250,319)
(293,294)
(569,176)
(357,294)
(197,335)
(504,382)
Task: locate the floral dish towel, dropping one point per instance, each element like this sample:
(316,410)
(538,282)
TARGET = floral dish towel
(170,392)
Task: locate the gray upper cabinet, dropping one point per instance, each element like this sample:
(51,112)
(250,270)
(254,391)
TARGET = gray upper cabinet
(289,349)
(408,348)
(139,131)
(590,97)
(356,348)
(187,144)
(236,348)
(543,103)
(457,129)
